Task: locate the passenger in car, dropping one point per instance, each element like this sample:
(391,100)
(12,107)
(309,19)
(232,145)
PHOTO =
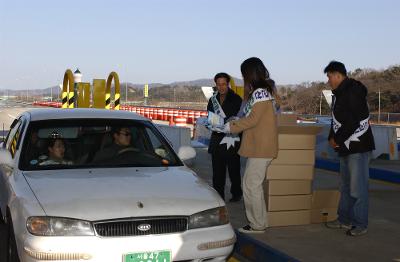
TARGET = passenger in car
(56,151)
(121,142)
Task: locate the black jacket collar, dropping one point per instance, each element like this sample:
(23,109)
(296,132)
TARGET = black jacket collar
(342,86)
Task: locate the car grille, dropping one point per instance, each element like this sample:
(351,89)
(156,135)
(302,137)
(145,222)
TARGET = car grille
(129,227)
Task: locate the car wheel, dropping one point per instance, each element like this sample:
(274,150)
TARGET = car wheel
(12,254)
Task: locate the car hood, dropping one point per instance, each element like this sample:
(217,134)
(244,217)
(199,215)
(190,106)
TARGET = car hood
(97,194)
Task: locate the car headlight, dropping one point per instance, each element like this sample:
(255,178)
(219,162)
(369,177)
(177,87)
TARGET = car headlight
(209,218)
(57,226)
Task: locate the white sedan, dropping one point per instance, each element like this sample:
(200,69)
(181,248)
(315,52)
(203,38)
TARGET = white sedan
(99,185)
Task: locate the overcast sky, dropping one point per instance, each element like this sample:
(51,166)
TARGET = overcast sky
(175,40)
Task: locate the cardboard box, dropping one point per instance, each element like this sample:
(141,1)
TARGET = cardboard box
(297,136)
(287,119)
(325,199)
(323,215)
(287,187)
(288,218)
(292,202)
(294,157)
(324,206)
(291,172)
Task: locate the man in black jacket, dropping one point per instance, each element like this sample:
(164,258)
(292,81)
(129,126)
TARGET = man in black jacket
(225,103)
(351,136)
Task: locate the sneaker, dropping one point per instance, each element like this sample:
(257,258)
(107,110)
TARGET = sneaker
(248,229)
(235,199)
(336,224)
(356,231)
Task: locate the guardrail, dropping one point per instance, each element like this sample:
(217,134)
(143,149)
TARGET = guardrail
(173,115)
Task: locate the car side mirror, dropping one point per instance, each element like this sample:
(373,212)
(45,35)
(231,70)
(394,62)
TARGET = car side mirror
(187,154)
(6,158)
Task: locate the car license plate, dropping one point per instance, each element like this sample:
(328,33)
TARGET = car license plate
(154,256)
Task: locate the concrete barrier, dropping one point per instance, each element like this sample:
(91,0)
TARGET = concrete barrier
(177,136)
(385,143)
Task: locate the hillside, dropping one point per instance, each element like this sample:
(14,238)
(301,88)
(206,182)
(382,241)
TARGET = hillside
(301,98)
(305,98)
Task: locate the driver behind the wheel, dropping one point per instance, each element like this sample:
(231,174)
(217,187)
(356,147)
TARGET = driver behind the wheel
(121,142)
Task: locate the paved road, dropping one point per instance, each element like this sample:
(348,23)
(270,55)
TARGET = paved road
(8,112)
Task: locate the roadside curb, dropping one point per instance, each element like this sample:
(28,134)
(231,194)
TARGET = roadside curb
(255,250)
(374,173)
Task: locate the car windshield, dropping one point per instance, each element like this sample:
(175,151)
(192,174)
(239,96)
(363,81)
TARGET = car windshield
(91,143)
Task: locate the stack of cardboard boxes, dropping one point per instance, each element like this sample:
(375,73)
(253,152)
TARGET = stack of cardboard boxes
(288,187)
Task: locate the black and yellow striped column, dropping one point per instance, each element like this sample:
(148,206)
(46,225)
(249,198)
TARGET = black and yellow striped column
(113,75)
(68,90)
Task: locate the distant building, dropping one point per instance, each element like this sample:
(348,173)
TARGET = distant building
(77,76)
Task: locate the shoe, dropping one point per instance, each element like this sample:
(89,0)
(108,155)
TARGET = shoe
(249,230)
(235,199)
(336,224)
(356,231)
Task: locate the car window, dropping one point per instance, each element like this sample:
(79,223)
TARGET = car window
(157,146)
(95,143)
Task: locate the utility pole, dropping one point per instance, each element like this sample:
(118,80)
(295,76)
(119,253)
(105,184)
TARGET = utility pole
(379,105)
(126,92)
(320,104)
(126,85)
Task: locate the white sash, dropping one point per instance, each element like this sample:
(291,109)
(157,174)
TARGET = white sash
(217,107)
(258,95)
(364,125)
(228,139)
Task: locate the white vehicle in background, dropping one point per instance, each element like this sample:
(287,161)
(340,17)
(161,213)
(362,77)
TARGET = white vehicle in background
(136,203)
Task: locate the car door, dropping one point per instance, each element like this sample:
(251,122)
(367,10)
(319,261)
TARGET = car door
(12,144)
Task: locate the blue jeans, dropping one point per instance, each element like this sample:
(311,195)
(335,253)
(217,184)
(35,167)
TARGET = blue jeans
(353,204)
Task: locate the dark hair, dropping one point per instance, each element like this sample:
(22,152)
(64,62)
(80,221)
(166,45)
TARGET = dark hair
(52,141)
(116,129)
(222,75)
(256,75)
(335,66)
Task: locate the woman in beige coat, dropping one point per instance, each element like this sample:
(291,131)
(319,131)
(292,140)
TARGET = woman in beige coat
(259,140)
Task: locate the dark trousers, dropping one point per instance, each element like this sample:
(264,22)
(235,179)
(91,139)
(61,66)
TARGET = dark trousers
(220,161)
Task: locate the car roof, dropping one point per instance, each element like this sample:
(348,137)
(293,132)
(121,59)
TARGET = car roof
(76,113)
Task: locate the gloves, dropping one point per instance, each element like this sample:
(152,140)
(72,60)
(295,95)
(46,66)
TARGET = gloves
(226,128)
(221,129)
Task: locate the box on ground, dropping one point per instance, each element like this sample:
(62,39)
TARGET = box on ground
(323,215)
(287,187)
(286,203)
(297,136)
(289,218)
(293,172)
(294,157)
(325,199)
(324,206)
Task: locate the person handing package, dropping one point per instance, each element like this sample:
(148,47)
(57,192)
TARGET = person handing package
(223,148)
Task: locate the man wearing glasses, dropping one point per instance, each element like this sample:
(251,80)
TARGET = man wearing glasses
(121,143)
